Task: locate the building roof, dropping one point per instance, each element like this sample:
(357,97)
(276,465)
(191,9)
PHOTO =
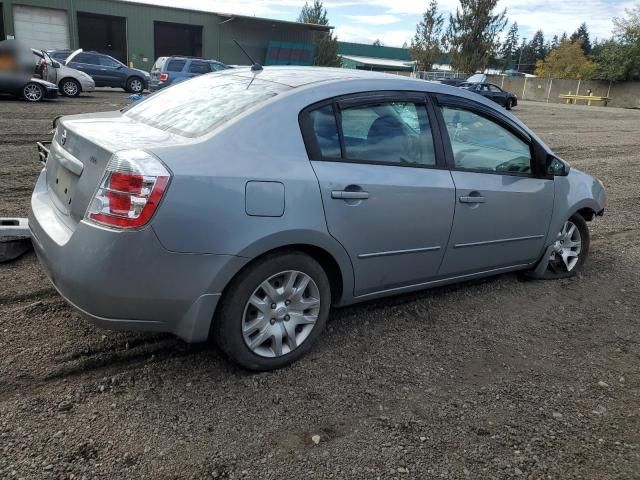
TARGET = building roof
(227,15)
(374,51)
(380,62)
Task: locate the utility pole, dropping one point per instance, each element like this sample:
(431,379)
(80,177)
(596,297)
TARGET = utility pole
(524,43)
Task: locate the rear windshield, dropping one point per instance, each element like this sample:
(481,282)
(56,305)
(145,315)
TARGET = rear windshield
(197,106)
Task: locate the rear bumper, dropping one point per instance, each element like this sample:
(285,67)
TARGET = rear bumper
(155,85)
(128,280)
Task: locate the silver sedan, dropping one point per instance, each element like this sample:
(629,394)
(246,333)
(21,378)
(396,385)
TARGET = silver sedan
(242,205)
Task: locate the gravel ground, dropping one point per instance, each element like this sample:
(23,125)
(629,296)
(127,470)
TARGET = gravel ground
(498,378)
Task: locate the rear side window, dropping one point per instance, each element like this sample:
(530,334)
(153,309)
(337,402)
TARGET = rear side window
(199,67)
(324,125)
(393,132)
(175,65)
(481,144)
(196,107)
(86,58)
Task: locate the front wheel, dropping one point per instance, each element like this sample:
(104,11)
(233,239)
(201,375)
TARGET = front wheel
(509,104)
(32,92)
(570,249)
(273,312)
(135,85)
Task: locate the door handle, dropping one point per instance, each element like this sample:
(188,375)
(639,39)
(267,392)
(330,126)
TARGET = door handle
(349,195)
(471,199)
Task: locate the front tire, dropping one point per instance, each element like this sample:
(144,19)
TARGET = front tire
(509,104)
(32,92)
(70,87)
(135,85)
(273,311)
(570,251)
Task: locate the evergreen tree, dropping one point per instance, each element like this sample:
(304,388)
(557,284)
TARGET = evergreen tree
(426,45)
(581,35)
(473,34)
(537,46)
(509,49)
(555,43)
(325,44)
(377,43)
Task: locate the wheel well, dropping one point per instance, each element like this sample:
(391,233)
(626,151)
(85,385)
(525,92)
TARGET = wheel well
(324,258)
(587,213)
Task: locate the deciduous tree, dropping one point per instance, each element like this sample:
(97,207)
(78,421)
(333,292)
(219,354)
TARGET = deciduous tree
(566,61)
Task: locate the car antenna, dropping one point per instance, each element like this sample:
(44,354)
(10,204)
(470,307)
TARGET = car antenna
(255,66)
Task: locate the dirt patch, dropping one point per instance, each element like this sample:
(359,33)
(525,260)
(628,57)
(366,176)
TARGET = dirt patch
(497,378)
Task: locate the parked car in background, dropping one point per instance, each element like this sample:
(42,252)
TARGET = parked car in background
(31,89)
(454,82)
(19,73)
(243,205)
(492,92)
(105,70)
(71,82)
(169,70)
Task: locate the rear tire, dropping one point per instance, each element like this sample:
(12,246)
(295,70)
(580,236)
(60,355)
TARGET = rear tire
(32,92)
(135,85)
(272,313)
(70,87)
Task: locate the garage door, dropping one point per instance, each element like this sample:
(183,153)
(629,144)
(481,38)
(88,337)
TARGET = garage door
(44,28)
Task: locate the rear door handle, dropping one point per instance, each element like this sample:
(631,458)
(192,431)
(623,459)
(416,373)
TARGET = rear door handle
(471,199)
(349,195)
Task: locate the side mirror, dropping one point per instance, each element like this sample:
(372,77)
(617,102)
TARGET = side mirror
(120,67)
(557,167)
(55,64)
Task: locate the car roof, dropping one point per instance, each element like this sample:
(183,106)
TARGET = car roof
(298,76)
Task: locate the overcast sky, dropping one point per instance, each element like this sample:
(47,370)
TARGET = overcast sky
(394,21)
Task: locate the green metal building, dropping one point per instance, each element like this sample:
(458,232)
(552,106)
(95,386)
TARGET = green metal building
(138,33)
(375,57)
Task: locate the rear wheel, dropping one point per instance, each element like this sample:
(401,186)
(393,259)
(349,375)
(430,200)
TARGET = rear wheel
(570,249)
(273,312)
(70,87)
(135,85)
(32,92)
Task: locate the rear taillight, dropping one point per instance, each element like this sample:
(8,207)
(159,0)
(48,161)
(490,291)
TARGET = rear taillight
(130,190)
(164,77)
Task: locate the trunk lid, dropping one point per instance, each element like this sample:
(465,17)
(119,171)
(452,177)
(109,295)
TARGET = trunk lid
(80,151)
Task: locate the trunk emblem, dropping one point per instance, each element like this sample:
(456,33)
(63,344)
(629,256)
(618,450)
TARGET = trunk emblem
(63,138)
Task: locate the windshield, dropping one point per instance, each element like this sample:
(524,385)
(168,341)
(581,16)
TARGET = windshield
(197,106)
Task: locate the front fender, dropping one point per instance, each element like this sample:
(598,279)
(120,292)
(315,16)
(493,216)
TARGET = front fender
(573,193)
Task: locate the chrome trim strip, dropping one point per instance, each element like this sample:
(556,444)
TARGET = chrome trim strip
(398,252)
(417,286)
(501,240)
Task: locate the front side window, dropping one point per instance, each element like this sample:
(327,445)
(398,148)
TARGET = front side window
(481,144)
(494,89)
(109,62)
(388,132)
